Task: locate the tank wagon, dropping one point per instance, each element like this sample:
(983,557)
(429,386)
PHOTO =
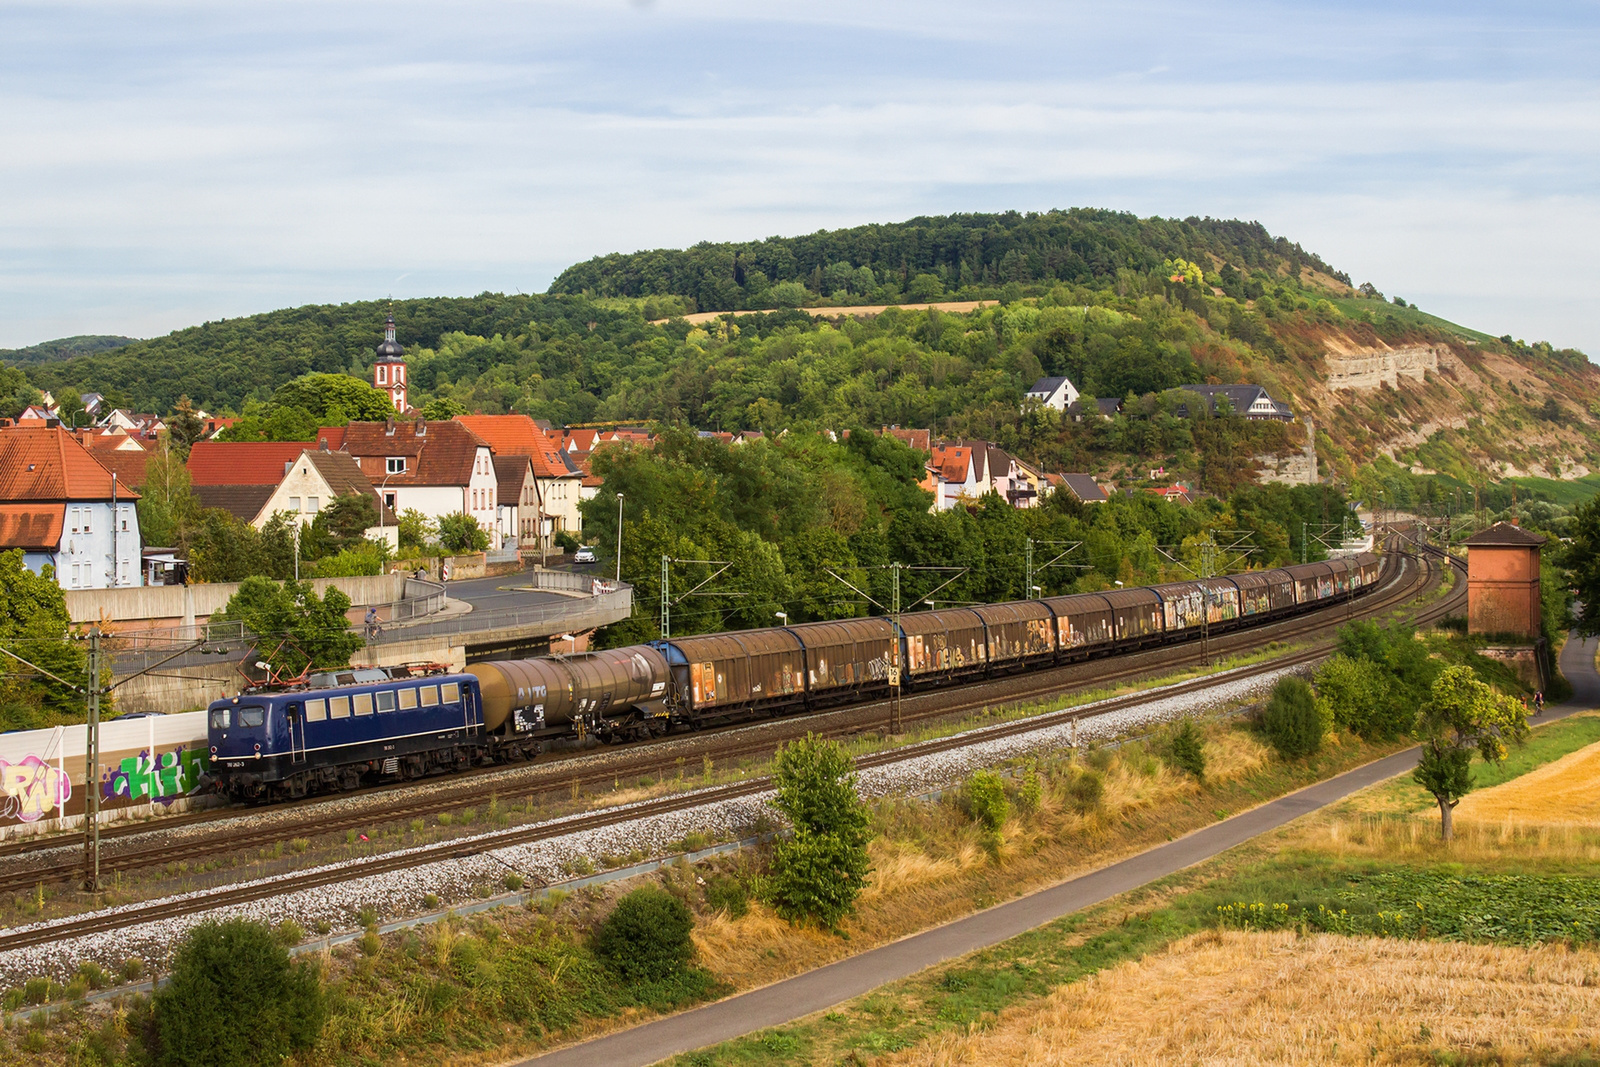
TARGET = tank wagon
(340,730)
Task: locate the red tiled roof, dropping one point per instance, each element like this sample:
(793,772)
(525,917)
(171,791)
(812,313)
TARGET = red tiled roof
(128,466)
(31,525)
(242,462)
(952,462)
(518,435)
(918,439)
(442,454)
(44,463)
(579,440)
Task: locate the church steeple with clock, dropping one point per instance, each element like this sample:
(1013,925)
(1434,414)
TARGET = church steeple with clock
(389,372)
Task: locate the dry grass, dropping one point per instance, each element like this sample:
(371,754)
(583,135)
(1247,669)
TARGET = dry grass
(1415,839)
(1563,793)
(1237,998)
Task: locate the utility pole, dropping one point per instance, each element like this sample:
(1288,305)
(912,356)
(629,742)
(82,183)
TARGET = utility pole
(666,595)
(894,670)
(91,770)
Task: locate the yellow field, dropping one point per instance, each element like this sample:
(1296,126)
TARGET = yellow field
(1277,998)
(1563,793)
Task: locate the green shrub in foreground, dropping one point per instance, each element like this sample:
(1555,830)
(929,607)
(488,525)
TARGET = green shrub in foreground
(986,799)
(236,999)
(1186,749)
(646,937)
(1291,721)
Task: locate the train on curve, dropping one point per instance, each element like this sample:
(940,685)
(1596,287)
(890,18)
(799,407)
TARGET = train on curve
(343,729)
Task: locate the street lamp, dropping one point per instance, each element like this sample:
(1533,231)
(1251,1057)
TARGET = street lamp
(381,488)
(782,616)
(619,538)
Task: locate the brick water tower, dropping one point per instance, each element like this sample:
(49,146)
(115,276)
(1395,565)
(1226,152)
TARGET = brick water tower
(1503,582)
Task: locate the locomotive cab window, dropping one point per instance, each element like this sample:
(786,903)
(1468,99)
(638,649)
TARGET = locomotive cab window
(385,700)
(252,716)
(450,693)
(430,695)
(408,699)
(316,710)
(363,703)
(339,707)
(219,718)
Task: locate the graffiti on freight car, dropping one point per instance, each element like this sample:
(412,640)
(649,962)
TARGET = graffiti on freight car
(31,789)
(164,779)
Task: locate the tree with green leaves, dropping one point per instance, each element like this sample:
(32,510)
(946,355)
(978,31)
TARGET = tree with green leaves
(296,628)
(166,502)
(441,408)
(34,624)
(340,526)
(1463,717)
(821,868)
(1292,721)
(221,548)
(184,427)
(461,533)
(236,1000)
(334,399)
(1583,563)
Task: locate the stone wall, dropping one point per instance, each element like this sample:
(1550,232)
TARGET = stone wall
(1370,368)
(1294,468)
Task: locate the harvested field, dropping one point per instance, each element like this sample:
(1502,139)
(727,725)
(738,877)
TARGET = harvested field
(1563,793)
(1279,998)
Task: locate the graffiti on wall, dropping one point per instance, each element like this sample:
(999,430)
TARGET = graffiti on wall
(31,789)
(161,779)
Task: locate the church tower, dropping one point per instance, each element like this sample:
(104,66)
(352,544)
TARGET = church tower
(389,372)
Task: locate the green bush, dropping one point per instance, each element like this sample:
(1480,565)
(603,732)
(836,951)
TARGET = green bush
(1087,791)
(1032,792)
(566,542)
(729,894)
(1358,695)
(235,998)
(461,533)
(816,876)
(1291,722)
(646,936)
(986,800)
(1186,749)
(819,871)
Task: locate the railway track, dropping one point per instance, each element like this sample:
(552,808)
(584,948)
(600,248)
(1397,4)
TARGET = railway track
(311,880)
(722,745)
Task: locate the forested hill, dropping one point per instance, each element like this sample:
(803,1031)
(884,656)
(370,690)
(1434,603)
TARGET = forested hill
(930,257)
(64,348)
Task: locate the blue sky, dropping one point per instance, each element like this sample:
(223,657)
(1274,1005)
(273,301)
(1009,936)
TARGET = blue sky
(165,164)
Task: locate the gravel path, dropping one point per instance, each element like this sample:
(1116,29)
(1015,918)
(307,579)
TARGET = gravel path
(458,880)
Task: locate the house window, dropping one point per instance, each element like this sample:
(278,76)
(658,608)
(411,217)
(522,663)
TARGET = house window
(86,514)
(294,503)
(395,465)
(388,501)
(313,504)
(381,378)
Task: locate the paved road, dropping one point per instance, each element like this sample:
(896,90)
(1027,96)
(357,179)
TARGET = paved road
(497,604)
(794,998)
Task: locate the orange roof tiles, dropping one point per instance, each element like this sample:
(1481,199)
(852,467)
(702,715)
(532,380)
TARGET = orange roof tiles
(44,463)
(519,435)
(436,452)
(31,525)
(242,462)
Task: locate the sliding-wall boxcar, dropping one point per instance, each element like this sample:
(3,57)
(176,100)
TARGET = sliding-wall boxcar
(846,657)
(716,675)
(1085,623)
(943,645)
(1138,616)
(1020,633)
(1264,593)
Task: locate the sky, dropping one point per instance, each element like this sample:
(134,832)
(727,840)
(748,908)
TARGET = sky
(163,165)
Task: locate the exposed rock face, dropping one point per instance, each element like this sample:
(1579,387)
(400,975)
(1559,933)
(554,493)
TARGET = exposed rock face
(1293,468)
(1372,367)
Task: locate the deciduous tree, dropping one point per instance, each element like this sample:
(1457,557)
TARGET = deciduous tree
(1463,717)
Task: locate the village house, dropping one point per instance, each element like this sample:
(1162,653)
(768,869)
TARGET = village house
(438,468)
(557,478)
(63,508)
(268,478)
(1249,401)
(1053,393)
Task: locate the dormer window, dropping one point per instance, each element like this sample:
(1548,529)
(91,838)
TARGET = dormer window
(395,465)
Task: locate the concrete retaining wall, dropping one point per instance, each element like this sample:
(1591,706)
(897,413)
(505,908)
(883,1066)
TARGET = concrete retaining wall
(185,605)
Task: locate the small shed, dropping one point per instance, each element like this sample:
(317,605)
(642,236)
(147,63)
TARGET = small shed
(1503,581)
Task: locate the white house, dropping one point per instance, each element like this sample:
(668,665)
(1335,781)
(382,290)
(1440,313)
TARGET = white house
(438,468)
(1054,393)
(61,506)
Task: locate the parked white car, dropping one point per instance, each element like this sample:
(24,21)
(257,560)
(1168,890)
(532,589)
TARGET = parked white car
(585,554)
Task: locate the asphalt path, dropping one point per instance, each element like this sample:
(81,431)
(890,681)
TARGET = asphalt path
(794,998)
